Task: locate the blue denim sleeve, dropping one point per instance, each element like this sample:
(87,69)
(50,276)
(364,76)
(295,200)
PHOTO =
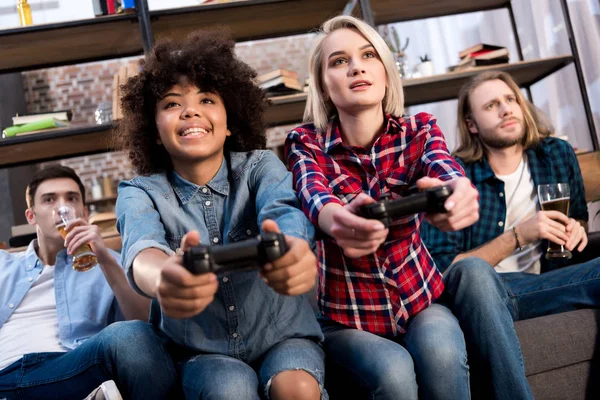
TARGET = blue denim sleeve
(275,198)
(442,246)
(140,226)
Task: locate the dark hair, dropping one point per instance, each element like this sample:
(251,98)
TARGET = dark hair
(208,60)
(54,172)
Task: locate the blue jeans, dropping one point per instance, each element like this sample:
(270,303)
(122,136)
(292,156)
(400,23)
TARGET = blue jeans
(129,353)
(564,289)
(429,362)
(477,295)
(219,377)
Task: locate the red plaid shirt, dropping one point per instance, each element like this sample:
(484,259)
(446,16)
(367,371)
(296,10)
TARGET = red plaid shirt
(377,293)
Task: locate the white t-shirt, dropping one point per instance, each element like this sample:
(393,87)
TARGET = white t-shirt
(521,204)
(33,326)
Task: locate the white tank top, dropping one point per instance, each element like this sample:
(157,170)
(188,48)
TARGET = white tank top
(33,326)
(521,204)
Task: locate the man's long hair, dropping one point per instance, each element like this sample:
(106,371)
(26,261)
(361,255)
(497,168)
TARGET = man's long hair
(470,147)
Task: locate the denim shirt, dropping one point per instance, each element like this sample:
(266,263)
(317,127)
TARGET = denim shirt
(85,303)
(246,317)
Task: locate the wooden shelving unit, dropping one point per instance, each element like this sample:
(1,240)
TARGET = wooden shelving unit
(284,109)
(53,145)
(446,86)
(248,20)
(388,11)
(124,35)
(432,88)
(48,45)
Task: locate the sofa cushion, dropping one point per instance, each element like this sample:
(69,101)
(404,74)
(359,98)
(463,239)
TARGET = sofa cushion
(559,340)
(571,382)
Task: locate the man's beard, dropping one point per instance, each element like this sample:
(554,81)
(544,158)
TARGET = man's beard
(496,142)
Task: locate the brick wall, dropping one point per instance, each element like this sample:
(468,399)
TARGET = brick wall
(82,87)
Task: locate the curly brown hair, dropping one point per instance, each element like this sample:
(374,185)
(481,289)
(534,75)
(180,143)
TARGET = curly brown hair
(208,60)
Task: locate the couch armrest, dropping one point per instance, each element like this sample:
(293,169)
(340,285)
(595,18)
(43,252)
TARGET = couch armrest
(591,251)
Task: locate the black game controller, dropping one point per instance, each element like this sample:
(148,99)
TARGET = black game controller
(248,254)
(429,201)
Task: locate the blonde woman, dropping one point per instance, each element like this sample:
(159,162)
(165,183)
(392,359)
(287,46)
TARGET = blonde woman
(385,333)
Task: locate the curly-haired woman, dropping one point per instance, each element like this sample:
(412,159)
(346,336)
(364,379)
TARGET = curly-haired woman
(193,128)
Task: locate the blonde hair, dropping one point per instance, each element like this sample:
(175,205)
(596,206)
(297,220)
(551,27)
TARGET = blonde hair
(318,110)
(470,147)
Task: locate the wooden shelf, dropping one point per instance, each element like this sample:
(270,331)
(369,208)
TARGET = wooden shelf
(248,20)
(388,11)
(445,86)
(284,109)
(48,146)
(289,109)
(105,199)
(47,45)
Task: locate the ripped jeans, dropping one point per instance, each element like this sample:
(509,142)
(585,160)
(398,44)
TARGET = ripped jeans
(216,376)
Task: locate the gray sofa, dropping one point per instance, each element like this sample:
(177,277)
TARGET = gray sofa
(562,354)
(562,351)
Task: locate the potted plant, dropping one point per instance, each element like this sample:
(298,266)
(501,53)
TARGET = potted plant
(425,67)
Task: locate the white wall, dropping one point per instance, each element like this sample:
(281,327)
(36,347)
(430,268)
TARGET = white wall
(543,34)
(49,11)
(46,11)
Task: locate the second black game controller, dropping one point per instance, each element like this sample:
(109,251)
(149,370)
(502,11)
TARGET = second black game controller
(247,254)
(428,201)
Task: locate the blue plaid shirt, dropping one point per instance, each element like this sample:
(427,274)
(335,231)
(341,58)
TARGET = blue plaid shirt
(551,161)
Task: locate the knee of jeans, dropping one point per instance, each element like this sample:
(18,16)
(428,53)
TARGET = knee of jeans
(233,386)
(472,274)
(133,343)
(437,340)
(127,333)
(393,374)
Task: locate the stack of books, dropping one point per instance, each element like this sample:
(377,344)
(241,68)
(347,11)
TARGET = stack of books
(481,54)
(279,82)
(34,123)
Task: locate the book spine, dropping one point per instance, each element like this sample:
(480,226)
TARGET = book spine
(97,7)
(110,6)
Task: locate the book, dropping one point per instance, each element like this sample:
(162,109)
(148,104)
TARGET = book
(276,73)
(34,127)
(474,62)
(110,6)
(282,84)
(62,115)
(478,47)
(488,54)
(99,7)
